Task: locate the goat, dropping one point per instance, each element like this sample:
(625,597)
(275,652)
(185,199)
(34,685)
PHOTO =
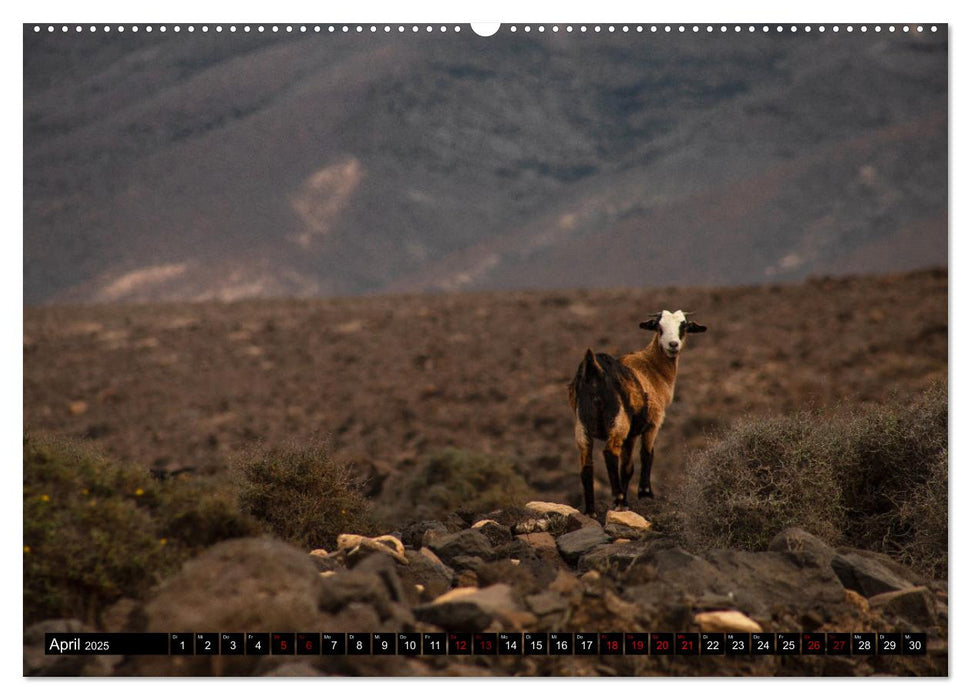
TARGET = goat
(618,400)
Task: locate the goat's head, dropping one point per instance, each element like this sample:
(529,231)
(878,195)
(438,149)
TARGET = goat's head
(671,330)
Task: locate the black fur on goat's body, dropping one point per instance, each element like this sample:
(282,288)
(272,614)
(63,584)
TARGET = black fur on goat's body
(610,405)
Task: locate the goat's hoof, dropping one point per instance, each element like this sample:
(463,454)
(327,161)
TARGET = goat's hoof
(645,493)
(620,507)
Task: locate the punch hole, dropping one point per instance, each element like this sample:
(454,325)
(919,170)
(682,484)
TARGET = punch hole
(485,28)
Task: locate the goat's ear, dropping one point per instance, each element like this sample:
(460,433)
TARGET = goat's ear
(650,325)
(693,327)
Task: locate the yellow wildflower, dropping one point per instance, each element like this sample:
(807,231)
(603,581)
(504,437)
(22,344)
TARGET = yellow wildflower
(26,549)
(44,497)
(139,492)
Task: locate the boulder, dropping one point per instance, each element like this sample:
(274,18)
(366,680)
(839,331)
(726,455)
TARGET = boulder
(575,544)
(761,580)
(755,582)
(915,605)
(460,546)
(473,609)
(866,575)
(626,523)
(801,544)
(726,621)
(237,585)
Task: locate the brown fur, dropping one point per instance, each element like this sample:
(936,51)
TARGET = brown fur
(632,392)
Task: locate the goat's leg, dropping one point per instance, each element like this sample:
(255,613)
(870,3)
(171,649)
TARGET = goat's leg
(586,470)
(647,461)
(612,456)
(626,470)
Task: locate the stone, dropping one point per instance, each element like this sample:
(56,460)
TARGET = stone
(757,582)
(726,621)
(464,543)
(496,533)
(802,544)
(578,521)
(915,605)
(544,508)
(541,541)
(616,556)
(575,544)
(357,547)
(472,609)
(415,535)
(626,523)
(866,575)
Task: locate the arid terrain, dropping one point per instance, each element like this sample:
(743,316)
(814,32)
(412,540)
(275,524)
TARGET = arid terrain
(390,379)
(189,391)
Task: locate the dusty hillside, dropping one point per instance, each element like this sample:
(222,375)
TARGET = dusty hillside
(186,167)
(392,380)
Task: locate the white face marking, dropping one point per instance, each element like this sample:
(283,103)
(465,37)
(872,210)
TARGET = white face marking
(669,330)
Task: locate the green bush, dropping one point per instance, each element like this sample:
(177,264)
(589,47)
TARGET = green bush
(874,478)
(95,531)
(304,496)
(465,481)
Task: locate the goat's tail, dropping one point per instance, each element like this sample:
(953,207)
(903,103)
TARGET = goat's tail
(590,375)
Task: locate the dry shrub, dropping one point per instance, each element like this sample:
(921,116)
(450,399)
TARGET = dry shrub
(96,530)
(304,496)
(874,478)
(463,481)
(765,475)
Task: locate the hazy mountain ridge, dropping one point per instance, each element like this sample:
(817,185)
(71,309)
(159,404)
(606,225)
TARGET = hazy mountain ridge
(193,167)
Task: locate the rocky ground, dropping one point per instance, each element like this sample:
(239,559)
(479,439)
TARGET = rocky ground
(544,567)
